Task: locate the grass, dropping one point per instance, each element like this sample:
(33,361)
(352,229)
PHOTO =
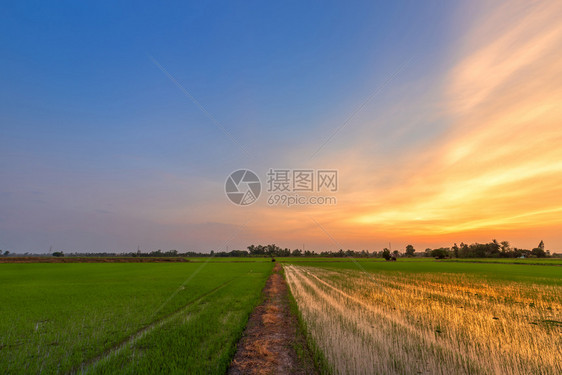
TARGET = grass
(431,317)
(229,259)
(60,318)
(489,271)
(530,261)
(537,261)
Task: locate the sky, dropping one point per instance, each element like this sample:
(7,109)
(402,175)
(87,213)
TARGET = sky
(120,123)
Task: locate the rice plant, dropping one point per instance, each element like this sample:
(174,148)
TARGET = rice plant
(435,323)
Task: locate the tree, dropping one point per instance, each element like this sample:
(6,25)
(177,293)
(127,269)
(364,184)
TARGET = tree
(271,249)
(58,254)
(455,249)
(505,249)
(539,251)
(464,250)
(440,253)
(410,251)
(493,250)
(296,253)
(6,253)
(386,254)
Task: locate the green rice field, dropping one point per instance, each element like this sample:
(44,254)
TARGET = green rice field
(130,317)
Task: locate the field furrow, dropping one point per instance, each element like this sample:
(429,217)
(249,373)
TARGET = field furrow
(403,323)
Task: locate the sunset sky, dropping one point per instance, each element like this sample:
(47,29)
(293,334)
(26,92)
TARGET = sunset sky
(120,123)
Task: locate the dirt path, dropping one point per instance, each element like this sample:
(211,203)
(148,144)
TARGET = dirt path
(269,343)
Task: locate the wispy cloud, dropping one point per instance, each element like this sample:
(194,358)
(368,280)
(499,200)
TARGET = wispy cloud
(500,164)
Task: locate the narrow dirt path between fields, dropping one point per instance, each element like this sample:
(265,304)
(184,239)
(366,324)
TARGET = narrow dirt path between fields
(270,341)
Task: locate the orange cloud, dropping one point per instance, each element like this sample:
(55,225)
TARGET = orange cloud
(494,171)
(500,164)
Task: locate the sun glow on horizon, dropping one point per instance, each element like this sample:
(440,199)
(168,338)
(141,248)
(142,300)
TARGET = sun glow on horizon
(500,164)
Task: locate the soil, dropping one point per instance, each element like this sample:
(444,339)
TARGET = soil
(270,341)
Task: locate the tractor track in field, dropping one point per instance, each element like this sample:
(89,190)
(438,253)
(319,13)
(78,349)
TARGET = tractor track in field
(90,364)
(271,338)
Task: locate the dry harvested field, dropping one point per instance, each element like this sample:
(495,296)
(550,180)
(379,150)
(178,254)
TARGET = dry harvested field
(430,323)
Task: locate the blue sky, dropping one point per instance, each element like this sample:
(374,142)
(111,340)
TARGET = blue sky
(101,151)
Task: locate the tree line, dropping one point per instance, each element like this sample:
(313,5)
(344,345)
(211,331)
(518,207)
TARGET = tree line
(493,249)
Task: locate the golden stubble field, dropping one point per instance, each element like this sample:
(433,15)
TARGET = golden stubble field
(429,323)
